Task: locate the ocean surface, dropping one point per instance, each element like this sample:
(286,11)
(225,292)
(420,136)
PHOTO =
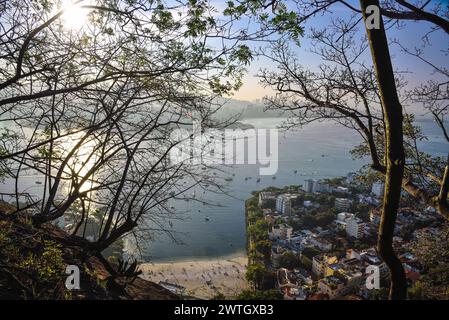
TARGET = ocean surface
(320,150)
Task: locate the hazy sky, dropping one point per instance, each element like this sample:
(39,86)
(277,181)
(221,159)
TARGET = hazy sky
(410,35)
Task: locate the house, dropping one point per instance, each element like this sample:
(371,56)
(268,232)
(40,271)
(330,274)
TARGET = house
(320,243)
(282,231)
(331,286)
(320,263)
(289,285)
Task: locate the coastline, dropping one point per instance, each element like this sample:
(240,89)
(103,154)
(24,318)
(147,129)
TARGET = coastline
(202,278)
(237,254)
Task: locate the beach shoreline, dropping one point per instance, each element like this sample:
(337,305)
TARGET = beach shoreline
(202,278)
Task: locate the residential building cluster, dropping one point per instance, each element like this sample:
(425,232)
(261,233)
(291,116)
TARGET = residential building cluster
(333,260)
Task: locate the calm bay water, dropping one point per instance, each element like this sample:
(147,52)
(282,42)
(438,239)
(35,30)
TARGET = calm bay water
(317,151)
(320,150)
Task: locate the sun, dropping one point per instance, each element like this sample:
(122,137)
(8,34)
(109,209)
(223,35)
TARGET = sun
(74,16)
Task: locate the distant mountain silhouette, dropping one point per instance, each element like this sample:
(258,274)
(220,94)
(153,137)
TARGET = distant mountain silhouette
(243,109)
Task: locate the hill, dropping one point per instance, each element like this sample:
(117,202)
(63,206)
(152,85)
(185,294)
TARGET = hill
(33,263)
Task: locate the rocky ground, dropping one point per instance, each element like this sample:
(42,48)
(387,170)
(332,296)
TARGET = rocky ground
(33,262)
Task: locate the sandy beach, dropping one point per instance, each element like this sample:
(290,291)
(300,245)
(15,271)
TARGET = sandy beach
(201,278)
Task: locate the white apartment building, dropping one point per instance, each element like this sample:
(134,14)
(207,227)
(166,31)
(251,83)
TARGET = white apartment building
(320,186)
(343,204)
(308,185)
(355,228)
(314,186)
(343,218)
(284,203)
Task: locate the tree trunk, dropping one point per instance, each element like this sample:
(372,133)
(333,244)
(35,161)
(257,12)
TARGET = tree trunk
(126,227)
(395,157)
